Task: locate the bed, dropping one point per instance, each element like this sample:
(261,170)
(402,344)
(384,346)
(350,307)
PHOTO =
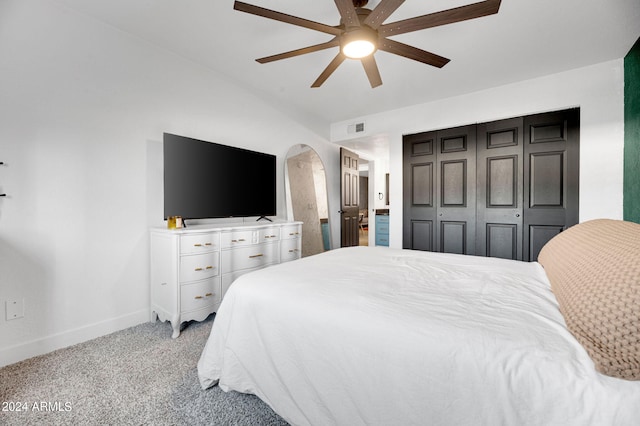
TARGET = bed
(380,336)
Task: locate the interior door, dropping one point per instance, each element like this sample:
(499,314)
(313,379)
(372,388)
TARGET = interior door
(349,198)
(500,189)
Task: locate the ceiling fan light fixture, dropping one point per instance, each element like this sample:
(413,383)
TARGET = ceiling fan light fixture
(362,31)
(360,43)
(358,49)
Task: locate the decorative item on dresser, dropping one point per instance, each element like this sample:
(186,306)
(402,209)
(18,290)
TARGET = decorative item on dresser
(191,269)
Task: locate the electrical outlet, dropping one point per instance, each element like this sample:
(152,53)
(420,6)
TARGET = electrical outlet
(14,309)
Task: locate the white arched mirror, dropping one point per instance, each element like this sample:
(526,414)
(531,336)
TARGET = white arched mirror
(306,192)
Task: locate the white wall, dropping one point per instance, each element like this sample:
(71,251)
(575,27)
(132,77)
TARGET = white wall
(83,108)
(597,90)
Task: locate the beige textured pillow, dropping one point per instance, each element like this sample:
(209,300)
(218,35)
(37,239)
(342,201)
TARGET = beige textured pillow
(594,269)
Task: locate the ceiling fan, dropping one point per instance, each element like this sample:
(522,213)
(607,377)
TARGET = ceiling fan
(361,32)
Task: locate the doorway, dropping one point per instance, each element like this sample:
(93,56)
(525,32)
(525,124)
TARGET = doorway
(363,206)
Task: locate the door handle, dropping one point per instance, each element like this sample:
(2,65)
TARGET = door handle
(341,211)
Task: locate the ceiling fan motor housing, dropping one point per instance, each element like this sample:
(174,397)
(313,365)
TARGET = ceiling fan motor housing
(363,34)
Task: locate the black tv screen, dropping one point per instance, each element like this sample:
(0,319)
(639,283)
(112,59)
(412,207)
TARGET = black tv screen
(209,180)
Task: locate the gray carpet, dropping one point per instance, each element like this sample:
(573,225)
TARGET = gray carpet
(138,376)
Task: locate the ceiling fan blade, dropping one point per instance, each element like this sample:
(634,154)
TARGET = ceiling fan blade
(348,13)
(283,17)
(329,70)
(381,12)
(298,52)
(371,68)
(411,52)
(449,16)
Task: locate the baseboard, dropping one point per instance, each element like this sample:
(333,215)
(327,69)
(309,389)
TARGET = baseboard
(51,343)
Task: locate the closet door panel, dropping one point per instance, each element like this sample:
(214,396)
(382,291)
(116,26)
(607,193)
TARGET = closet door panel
(500,195)
(456,183)
(453,237)
(420,197)
(422,236)
(502,240)
(551,177)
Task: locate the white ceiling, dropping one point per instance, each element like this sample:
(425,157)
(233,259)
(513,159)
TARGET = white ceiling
(526,39)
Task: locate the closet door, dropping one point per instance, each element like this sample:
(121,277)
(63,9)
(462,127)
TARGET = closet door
(551,177)
(419,191)
(456,190)
(500,189)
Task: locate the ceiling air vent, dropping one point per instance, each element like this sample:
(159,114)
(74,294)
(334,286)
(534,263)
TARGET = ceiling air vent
(355,128)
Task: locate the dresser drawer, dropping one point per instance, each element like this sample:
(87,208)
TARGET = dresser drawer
(290,249)
(382,240)
(237,238)
(201,294)
(382,228)
(382,219)
(268,234)
(199,266)
(199,243)
(249,257)
(291,231)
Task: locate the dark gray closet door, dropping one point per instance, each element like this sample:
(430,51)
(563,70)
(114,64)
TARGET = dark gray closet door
(551,177)
(456,188)
(419,191)
(500,189)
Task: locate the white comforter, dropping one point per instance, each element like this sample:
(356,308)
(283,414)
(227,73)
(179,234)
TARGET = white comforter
(379,336)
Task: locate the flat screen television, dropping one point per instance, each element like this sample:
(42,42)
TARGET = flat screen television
(209,180)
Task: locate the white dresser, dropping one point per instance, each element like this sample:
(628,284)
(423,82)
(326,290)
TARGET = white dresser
(192,268)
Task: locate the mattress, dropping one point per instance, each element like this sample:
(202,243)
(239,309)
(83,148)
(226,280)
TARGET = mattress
(373,335)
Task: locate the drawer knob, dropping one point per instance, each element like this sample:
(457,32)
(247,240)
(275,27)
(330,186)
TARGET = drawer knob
(197,245)
(209,267)
(208,294)
(198,297)
(256,255)
(198,269)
